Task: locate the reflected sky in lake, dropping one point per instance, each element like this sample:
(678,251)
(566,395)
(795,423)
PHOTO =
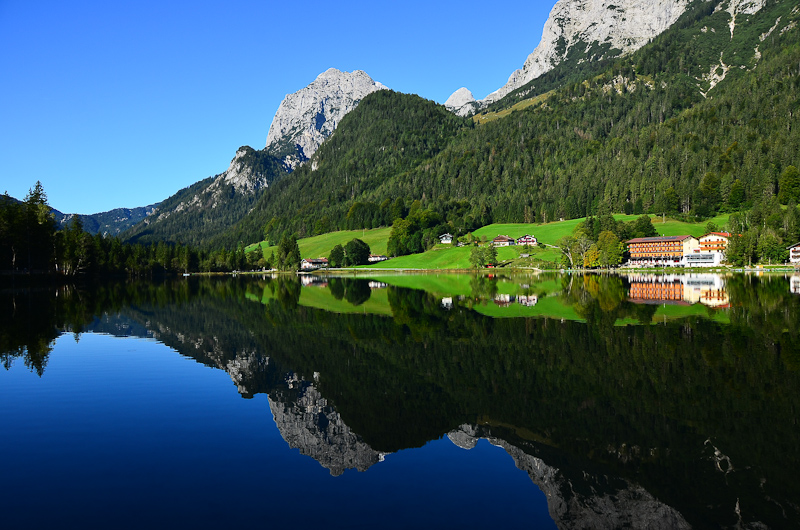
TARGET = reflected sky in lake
(125,432)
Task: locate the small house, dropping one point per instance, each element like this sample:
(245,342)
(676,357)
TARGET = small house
(446,239)
(527,239)
(375,258)
(503,241)
(794,253)
(313,264)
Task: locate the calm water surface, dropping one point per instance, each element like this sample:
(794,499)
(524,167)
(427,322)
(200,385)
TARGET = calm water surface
(535,401)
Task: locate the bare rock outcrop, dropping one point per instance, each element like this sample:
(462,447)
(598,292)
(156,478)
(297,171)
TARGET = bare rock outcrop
(307,117)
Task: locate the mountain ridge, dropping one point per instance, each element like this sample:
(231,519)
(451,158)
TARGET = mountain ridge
(203,210)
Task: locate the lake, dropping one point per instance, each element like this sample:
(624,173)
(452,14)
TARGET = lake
(528,400)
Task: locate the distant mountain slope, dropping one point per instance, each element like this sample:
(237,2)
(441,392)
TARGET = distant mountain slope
(307,117)
(111,223)
(196,214)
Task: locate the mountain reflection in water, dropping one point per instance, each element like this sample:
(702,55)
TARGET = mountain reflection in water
(660,401)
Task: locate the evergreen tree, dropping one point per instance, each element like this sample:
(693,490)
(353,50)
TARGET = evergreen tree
(789,185)
(336,257)
(356,252)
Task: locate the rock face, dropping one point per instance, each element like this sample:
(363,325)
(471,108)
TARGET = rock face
(626,25)
(316,429)
(242,176)
(462,102)
(207,208)
(305,118)
(742,7)
(622,505)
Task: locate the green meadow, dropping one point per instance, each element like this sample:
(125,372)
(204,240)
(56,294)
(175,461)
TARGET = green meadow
(442,257)
(321,245)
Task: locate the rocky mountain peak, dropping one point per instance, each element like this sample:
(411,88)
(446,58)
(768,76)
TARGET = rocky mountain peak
(626,25)
(242,175)
(461,102)
(581,25)
(307,117)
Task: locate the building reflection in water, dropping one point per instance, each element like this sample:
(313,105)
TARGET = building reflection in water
(678,289)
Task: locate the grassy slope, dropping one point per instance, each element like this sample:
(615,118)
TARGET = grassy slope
(447,257)
(492,116)
(550,233)
(317,246)
(439,257)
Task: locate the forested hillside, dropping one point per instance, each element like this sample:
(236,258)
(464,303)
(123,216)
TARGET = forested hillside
(700,120)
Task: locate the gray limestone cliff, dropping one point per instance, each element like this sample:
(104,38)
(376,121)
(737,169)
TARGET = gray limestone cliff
(307,117)
(623,25)
(314,427)
(626,505)
(461,102)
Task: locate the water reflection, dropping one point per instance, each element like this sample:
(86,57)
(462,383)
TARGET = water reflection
(620,422)
(685,289)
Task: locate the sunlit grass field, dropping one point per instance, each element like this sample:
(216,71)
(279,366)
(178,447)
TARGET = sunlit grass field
(443,257)
(320,246)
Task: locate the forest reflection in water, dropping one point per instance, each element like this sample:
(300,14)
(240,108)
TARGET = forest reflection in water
(661,400)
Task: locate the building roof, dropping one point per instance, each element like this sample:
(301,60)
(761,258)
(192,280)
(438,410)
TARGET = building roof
(721,234)
(503,238)
(661,239)
(792,246)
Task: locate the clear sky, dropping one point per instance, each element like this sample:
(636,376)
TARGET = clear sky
(121,104)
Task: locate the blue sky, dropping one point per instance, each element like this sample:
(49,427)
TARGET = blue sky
(121,104)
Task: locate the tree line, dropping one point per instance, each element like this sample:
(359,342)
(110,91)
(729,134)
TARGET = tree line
(31,242)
